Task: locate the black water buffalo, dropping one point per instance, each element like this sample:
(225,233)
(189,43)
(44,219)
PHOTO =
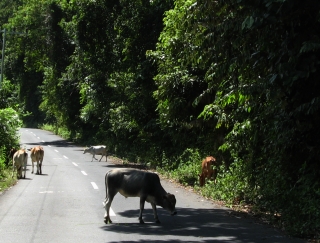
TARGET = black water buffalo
(137,183)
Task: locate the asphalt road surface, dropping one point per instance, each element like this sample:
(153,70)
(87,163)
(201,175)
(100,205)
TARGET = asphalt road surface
(64,204)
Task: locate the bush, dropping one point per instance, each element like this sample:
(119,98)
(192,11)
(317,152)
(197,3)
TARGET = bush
(10,123)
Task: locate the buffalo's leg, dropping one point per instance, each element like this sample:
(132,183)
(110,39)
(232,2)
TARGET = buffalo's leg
(154,208)
(142,201)
(107,204)
(38,170)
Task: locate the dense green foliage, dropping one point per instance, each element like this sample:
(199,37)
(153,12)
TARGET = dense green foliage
(10,122)
(167,83)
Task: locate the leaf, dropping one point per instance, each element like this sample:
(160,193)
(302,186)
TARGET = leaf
(247,23)
(309,46)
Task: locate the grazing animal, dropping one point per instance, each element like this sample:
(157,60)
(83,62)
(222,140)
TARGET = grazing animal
(207,170)
(137,183)
(36,155)
(19,161)
(98,149)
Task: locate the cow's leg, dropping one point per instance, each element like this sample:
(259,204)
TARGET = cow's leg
(20,172)
(101,157)
(154,208)
(107,204)
(94,157)
(214,175)
(24,173)
(24,170)
(142,201)
(38,167)
(13,168)
(32,162)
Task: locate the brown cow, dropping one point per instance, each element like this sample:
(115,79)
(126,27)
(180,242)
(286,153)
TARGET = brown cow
(207,170)
(36,155)
(19,162)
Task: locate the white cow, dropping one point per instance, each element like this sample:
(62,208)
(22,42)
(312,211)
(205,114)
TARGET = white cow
(19,161)
(98,149)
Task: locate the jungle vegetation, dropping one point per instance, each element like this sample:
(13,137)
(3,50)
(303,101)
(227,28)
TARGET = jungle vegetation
(167,82)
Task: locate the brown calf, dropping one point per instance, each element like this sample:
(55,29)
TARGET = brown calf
(36,155)
(207,170)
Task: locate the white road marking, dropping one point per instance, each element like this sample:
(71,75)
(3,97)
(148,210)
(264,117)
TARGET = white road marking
(65,157)
(111,212)
(49,145)
(74,164)
(46,192)
(94,185)
(38,138)
(56,151)
(42,141)
(83,172)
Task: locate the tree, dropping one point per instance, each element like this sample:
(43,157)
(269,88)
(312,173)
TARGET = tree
(258,61)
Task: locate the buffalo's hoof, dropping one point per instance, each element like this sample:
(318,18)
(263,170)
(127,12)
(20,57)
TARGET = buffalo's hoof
(107,221)
(141,221)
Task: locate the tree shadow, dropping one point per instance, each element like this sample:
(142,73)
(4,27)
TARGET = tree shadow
(55,143)
(205,225)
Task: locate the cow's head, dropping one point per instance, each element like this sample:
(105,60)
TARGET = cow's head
(169,203)
(211,159)
(86,150)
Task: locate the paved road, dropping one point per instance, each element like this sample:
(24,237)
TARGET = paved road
(65,205)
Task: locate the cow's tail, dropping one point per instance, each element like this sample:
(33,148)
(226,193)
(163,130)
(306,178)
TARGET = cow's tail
(106,184)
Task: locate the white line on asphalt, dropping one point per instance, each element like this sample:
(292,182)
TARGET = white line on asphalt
(65,157)
(111,212)
(56,151)
(94,185)
(74,164)
(83,172)
(49,145)
(42,141)
(38,138)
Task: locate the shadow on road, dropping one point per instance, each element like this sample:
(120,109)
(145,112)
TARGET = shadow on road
(55,143)
(205,225)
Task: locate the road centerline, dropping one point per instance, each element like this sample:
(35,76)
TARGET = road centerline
(83,172)
(94,185)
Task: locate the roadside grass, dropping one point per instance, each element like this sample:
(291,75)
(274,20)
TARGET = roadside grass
(6,180)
